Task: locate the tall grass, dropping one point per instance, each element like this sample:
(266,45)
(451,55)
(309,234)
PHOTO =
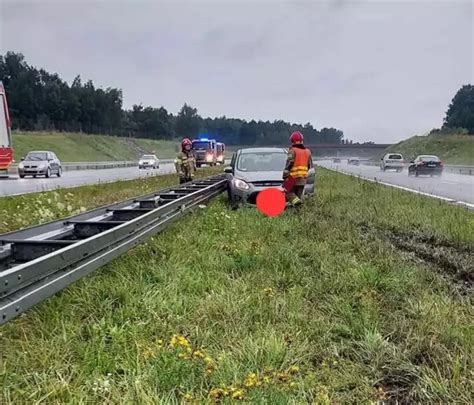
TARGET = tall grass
(316,306)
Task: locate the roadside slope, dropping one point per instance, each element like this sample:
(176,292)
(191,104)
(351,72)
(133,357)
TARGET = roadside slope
(74,147)
(452,149)
(359,297)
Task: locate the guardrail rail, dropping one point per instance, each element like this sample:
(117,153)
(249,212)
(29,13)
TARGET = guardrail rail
(37,262)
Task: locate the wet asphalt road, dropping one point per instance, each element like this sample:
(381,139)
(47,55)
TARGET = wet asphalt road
(76,178)
(454,186)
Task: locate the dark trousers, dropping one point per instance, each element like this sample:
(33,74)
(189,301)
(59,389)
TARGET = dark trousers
(295,194)
(184,179)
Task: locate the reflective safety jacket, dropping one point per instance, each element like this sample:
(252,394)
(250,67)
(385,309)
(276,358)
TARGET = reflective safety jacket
(185,164)
(298,162)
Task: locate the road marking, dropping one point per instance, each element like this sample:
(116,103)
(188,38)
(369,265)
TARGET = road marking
(449,200)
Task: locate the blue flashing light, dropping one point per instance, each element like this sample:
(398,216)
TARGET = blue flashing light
(203,139)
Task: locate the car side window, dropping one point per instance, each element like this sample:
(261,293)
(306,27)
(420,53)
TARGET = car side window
(234,158)
(49,156)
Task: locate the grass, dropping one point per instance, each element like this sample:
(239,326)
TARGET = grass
(72,147)
(453,149)
(321,306)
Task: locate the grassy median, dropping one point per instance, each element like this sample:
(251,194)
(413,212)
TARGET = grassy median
(363,295)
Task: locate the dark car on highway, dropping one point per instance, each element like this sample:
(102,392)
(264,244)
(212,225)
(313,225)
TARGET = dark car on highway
(426,165)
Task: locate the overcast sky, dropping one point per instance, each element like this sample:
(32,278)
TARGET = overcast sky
(379,70)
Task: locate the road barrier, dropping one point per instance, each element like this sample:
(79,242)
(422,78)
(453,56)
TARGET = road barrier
(37,262)
(458,169)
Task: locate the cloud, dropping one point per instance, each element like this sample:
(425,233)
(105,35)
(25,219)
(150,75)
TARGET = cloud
(380,70)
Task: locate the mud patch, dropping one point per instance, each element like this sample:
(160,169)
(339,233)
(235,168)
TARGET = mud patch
(453,261)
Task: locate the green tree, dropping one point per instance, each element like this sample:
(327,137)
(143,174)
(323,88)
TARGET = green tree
(460,112)
(188,122)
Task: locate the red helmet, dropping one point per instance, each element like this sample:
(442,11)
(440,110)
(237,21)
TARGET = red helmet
(296,137)
(185,142)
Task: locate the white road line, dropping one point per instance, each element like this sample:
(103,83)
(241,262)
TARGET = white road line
(449,200)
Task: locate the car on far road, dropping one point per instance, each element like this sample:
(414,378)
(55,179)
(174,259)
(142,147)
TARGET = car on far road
(353,161)
(429,165)
(336,160)
(40,163)
(252,170)
(392,161)
(149,162)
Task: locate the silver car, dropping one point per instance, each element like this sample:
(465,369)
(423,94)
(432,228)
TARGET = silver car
(40,163)
(254,169)
(149,161)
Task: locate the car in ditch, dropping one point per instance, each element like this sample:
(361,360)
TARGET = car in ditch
(40,163)
(426,165)
(252,170)
(149,162)
(392,161)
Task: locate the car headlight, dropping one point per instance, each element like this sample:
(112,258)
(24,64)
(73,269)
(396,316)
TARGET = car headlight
(21,166)
(240,184)
(209,158)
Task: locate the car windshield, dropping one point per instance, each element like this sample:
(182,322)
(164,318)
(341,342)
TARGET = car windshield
(398,157)
(36,156)
(429,158)
(199,145)
(261,162)
(148,157)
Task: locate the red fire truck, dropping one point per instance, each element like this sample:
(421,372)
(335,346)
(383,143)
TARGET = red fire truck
(205,151)
(6,150)
(220,153)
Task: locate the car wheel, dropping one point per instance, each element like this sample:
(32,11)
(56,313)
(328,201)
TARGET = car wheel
(34,176)
(48,173)
(60,172)
(416,173)
(22,176)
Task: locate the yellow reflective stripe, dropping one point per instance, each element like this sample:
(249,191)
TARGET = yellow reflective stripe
(299,171)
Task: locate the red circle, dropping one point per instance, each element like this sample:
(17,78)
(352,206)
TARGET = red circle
(271,202)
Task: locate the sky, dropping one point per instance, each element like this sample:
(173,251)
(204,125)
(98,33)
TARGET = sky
(379,70)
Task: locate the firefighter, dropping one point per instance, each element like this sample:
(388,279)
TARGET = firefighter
(296,169)
(185,162)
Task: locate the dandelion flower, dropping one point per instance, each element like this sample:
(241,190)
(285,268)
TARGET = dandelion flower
(238,395)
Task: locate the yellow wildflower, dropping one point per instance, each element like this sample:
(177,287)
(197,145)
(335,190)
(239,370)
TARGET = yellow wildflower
(294,369)
(292,384)
(238,394)
(251,380)
(198,354)
(269,291)
(188,397)
(216,394)
(179,341)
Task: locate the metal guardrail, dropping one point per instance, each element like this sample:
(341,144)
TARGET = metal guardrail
(37,262)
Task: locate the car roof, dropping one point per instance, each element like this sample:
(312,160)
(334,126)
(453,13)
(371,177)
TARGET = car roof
(420,156)
(40,151)
(263,149)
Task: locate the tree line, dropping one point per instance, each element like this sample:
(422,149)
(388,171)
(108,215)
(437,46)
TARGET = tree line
(39,100)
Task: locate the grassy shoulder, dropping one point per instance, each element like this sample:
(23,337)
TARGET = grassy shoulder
(323,306)
(72,147)
(453,149)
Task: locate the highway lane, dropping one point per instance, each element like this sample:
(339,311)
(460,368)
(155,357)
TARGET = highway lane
(76,178)
(454,186)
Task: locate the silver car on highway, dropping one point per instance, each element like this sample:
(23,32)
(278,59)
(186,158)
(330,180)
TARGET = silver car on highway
(252,170)
(40,163)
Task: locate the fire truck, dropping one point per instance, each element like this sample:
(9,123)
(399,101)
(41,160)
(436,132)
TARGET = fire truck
(220,153)
(6,150)
(205,151)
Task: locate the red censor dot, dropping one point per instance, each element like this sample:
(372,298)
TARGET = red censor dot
(271,202)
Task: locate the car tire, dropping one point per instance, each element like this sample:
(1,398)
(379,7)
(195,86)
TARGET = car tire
(48,173)
(22,176)
(416,173)
(34,176)
(60,172)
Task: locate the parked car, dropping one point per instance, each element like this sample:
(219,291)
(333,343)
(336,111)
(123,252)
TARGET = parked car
(353,161)
(40,163)
(430,165)
(255,169)
(336,160)
(392,161)
(149,162)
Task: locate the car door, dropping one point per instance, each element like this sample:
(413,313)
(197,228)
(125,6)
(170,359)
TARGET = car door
(54,163)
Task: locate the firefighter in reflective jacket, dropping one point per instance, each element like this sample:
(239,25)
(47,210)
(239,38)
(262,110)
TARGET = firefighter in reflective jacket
(185,162)
(297,167)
